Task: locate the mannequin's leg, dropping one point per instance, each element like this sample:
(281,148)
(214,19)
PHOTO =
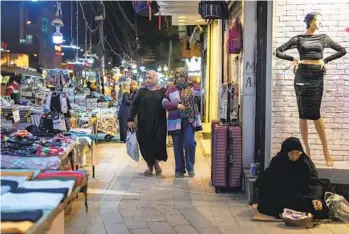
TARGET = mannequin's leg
(303,124)
(320,128)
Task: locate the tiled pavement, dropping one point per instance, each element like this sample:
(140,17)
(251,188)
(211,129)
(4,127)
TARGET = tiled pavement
(122,201)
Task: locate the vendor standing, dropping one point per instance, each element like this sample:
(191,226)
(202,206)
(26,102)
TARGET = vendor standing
(13,89)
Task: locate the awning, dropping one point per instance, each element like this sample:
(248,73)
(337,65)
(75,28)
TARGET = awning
(20,71)
(182,12)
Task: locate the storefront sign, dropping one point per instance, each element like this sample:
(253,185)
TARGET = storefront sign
(193,66)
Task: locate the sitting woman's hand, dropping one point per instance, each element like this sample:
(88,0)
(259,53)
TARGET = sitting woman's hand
(317,205)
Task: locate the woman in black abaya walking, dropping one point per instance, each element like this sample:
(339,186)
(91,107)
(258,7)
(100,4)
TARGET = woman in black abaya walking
(151,123)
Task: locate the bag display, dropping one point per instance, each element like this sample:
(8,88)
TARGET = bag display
(132,145)
(296,219)
(213,9)
(338,206)
(234,102)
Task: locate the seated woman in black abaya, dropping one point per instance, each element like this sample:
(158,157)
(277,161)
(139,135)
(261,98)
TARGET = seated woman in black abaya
(292,182)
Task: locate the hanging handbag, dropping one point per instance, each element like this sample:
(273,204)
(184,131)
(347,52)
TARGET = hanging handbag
(213,9)
(145,8)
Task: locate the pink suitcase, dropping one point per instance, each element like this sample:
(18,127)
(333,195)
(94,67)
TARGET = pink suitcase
(226,168)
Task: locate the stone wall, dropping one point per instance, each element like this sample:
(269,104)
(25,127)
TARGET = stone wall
(288,22)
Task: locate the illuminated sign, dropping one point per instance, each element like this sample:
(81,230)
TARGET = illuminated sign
(58,48)
(193,66)
(59,54)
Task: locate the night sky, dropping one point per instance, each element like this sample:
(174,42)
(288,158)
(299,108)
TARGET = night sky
(120,28)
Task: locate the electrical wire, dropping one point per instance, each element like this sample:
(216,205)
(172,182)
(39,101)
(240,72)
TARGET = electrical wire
(86,22)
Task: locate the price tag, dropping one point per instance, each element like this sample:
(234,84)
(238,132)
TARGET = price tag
(16,117)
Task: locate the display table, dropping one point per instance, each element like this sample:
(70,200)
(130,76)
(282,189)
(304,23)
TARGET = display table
(33,185)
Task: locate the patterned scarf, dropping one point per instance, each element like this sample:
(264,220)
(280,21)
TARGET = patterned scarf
(187,98)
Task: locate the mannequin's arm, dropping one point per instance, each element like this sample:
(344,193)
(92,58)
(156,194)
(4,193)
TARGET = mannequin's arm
(292,43)
(335,46)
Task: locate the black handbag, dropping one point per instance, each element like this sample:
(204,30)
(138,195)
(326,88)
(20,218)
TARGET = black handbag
(213,9)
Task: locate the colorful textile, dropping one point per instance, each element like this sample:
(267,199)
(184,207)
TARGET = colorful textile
(63,191)
(27,174)
(32,216)
(29,201)
(49,185)
(107,124)
(170,102)
(41,163)
(16,227)
(78,175)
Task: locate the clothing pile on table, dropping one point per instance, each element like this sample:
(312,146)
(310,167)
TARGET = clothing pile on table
(23,150)
(30,197)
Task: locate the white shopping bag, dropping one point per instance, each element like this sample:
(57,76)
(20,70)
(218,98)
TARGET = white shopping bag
(132,145)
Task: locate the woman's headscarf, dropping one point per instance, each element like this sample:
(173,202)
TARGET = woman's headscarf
(187,98)
(181,74)
(154,85)
(290,144)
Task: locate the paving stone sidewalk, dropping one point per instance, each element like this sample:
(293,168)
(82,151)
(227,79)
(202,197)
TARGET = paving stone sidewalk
(123,201)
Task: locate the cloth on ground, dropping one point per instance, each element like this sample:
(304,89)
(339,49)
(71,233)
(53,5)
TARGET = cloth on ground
(29,201)
(32,216)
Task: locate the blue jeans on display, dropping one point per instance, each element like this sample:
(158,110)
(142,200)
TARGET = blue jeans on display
(184,146)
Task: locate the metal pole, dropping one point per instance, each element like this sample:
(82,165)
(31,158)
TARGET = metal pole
(100,18)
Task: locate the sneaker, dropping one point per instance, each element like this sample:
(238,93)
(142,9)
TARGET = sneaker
(191,174)
(179,175)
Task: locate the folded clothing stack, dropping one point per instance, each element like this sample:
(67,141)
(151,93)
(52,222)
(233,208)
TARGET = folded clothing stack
(19,222)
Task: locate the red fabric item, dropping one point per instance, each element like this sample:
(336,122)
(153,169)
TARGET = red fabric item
(78,175)
(12,87)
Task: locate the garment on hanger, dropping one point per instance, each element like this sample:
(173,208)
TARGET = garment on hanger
(195,37)
(235,37)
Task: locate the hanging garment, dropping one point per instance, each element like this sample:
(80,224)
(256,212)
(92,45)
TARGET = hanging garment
(195,37)
(235,41)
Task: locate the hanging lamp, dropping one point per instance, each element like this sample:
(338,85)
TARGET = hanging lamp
(58,23)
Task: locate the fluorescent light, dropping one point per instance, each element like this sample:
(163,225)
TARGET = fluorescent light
(70,46)
(199,20)
(181,20)
(181,17)
(57,37)
(29,22)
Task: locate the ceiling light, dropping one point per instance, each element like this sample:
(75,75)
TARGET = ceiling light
(181,17)
(29,22)
(181,20)
(199,20)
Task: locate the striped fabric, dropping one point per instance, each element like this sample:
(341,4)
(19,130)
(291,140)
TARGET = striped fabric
(170,102)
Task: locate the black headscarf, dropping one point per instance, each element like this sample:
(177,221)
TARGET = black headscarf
(290,144)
